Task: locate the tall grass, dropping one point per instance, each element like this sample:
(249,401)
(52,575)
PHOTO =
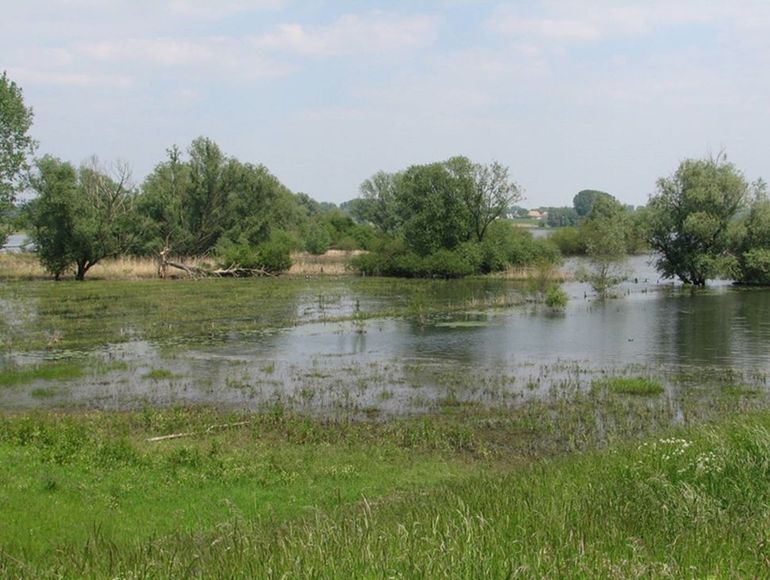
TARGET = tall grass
(25,266)
(695,503)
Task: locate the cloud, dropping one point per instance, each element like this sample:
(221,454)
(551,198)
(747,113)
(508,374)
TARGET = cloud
(353,34)
(570,21)
(219,9)
(32,76)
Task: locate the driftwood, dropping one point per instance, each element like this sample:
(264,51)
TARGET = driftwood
(207,431)
(234,271)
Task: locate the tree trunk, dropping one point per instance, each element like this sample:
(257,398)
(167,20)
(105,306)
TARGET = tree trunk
(83,267)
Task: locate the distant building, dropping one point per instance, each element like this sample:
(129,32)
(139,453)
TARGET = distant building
(537,214)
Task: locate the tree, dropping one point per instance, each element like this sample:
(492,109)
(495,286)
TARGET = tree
(561,217)
(162,204)
(489,194)
(16,147)
(192,204)
(604,233)
(81,216)
(689,218)
(379,206)
(584,200)
(431,201)
(753,246)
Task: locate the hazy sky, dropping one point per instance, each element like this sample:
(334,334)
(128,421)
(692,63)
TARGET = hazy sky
(601,94)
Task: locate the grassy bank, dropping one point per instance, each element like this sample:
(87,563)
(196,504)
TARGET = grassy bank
(270,495)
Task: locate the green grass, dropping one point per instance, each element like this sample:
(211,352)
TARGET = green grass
(418,498)
(640,386)
(159,375)
(64,371)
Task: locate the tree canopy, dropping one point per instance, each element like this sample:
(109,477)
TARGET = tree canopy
(81,216)
(585,199)
(689,218)
(16,147)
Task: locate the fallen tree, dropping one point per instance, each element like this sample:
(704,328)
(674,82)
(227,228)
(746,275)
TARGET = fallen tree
(232,271)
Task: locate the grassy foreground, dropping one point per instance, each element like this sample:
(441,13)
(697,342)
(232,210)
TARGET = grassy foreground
(87,495)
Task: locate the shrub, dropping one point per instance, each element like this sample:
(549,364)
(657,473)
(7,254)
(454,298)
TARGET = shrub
(506,245)
(570,241)
(556,297)
(755,267)
(273,256)
(317,239)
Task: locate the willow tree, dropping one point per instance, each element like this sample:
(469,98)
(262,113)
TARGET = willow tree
(689,219)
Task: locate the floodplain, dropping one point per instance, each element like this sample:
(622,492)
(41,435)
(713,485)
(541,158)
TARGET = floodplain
(376,427)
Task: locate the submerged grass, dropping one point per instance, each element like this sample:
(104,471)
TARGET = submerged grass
(641,386)
(291,497)
(64,371)
(69,316)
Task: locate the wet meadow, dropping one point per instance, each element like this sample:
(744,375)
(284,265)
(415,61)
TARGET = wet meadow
(328,425)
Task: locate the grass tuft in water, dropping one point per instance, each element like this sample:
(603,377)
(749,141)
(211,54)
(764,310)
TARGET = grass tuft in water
(46,372)
(159,375)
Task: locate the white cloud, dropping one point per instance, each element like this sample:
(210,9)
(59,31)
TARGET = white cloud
(572,21)
(353,34)
(32,76)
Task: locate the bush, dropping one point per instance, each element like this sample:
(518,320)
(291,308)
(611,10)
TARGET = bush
(755,267)
(274,255)
(240,254)
(556,298)
(392,260)
(317,239)
(506,245)
(569,241)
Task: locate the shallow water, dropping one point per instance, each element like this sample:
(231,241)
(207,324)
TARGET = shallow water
(412,364)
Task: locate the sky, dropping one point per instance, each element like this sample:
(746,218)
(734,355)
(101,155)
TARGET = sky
(569,94)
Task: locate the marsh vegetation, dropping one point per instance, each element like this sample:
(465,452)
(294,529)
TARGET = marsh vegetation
(371,427)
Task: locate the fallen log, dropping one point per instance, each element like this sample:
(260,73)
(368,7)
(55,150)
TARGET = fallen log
(234,271)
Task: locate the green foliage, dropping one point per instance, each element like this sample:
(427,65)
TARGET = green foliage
(377,205)
(16,148)
(273,255)
(459,263)
(753,249)
(560,217)
(556,297)
(569,240)
(317,238)
(689,219)
(190,205)
(80,216)
(431,206)
(604,233)
(443,214)
(508,246)
(504,246)
(584,201)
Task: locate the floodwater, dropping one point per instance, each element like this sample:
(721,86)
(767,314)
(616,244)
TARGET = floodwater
(499,356)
